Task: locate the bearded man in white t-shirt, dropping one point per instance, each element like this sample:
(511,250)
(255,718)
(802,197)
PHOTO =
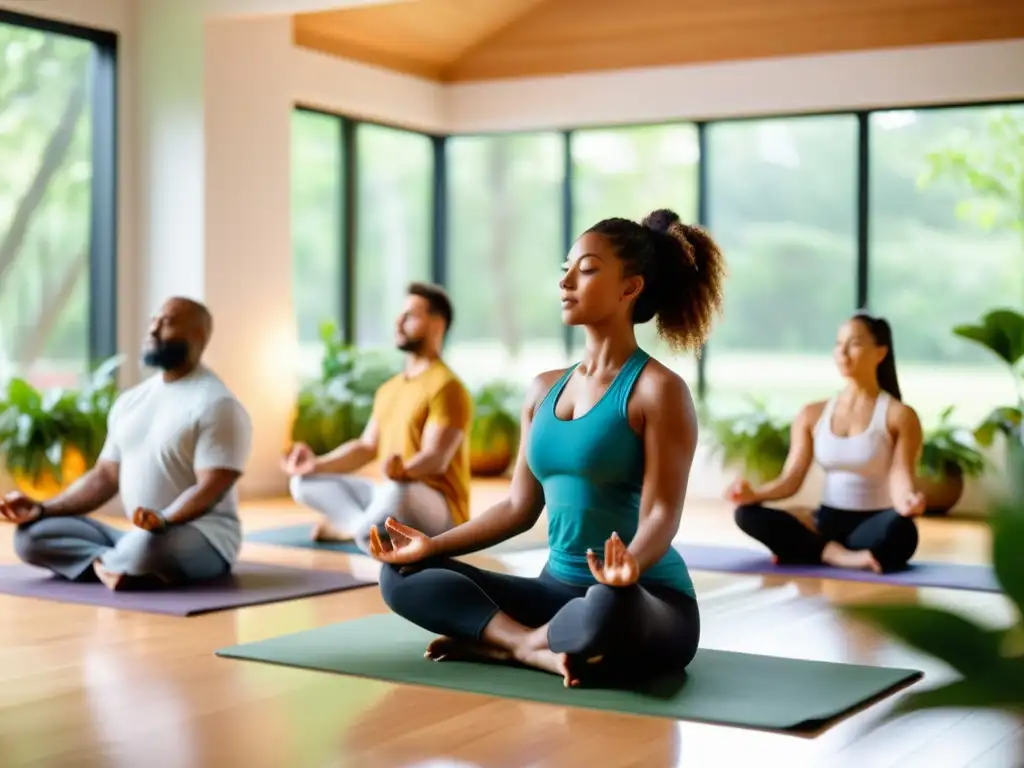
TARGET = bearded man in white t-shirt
(176,445)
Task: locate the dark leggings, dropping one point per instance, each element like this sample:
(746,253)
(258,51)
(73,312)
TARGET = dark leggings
(891,537)
(632,627)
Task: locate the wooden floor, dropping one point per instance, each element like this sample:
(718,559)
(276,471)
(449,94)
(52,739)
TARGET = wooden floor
(84,686)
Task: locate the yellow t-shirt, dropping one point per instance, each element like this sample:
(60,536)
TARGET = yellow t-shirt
(402,409)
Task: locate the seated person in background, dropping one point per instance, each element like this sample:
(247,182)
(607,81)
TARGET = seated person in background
(868,442)
(420,422)
(607,445)
(175,447)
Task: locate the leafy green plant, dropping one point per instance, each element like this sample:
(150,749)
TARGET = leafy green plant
(950,450)
(495,434)
(754,441)
(337,407)
(1001,331)
(990,662)
(36,427)
(987,167)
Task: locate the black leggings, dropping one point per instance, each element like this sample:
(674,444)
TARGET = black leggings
(630,626)
(891,537)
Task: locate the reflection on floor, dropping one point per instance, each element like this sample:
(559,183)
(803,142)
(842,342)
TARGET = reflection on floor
(88,686)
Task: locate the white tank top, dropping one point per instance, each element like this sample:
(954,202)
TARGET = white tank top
(856,467)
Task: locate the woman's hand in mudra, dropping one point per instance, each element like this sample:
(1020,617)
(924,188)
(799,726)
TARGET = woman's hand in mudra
(618,569)
(406,545)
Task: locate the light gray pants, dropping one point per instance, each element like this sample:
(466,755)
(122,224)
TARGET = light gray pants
(69,546)
(355,504)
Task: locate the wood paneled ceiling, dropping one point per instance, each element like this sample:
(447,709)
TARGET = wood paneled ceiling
(468,40)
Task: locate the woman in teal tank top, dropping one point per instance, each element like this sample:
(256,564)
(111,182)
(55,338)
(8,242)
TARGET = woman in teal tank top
(607,447)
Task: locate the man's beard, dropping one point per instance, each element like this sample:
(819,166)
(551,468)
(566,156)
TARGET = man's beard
(410,345)
(166,355)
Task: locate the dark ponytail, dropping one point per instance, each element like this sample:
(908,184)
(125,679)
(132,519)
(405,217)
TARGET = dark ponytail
(683,271)
(881,332)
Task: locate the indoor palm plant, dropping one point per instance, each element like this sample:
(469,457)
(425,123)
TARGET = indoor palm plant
(337,406)
(1001,331)
(989,662)
(494,439)
(49,438)
(949,455)
(754,441)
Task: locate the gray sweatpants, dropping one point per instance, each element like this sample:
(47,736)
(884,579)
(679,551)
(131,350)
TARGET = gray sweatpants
(69,546)
(355,504)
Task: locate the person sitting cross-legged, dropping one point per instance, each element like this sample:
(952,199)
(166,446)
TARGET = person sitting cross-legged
(176,445)
(418,428)
(868,441)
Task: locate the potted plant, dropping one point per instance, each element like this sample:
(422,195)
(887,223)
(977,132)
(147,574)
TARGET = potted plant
(989,662)
(948,456)
(50,438)
(755,442)
(494,439)
(337,406)
(1001,331)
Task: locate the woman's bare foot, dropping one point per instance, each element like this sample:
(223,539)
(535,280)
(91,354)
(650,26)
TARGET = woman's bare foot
(454,649)
(112,581)
(535,653)
(547,660)
(839,556)
(324,531)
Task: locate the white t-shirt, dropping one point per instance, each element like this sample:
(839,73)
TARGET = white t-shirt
(161,434)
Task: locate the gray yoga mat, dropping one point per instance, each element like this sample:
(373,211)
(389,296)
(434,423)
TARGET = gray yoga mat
(719,687)
(704,557)
(250,584)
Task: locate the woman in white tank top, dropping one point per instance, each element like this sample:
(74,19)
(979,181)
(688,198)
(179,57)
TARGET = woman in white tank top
(868,442)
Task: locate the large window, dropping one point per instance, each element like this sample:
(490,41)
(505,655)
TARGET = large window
(629,172)
(395,225)
(318,175)
(782,195)
(505,243)
(782,203)
(56,237)
(944,250)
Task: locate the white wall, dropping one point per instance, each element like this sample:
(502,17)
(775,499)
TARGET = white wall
(371,93)
(890,78)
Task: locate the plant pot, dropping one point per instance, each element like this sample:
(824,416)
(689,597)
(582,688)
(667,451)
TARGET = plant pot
(492,445)
(941,492)
(491,464)
(45,486)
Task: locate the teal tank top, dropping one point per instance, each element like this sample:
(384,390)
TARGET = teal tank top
(592,471)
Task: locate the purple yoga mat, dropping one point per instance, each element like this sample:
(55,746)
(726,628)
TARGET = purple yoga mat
(703,557)
(250,584)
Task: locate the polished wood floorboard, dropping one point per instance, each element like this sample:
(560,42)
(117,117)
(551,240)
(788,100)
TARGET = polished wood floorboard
(85,686)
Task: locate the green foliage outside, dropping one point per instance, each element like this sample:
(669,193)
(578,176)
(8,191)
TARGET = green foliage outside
(45,151)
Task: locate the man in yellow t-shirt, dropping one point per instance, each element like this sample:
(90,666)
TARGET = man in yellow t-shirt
(419,428)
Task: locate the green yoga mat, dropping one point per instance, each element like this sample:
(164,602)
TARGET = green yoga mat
(719,687)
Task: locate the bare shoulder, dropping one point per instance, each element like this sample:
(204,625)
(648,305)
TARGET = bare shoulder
(659,386)
(540,386)
(900,417)
(808,415)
